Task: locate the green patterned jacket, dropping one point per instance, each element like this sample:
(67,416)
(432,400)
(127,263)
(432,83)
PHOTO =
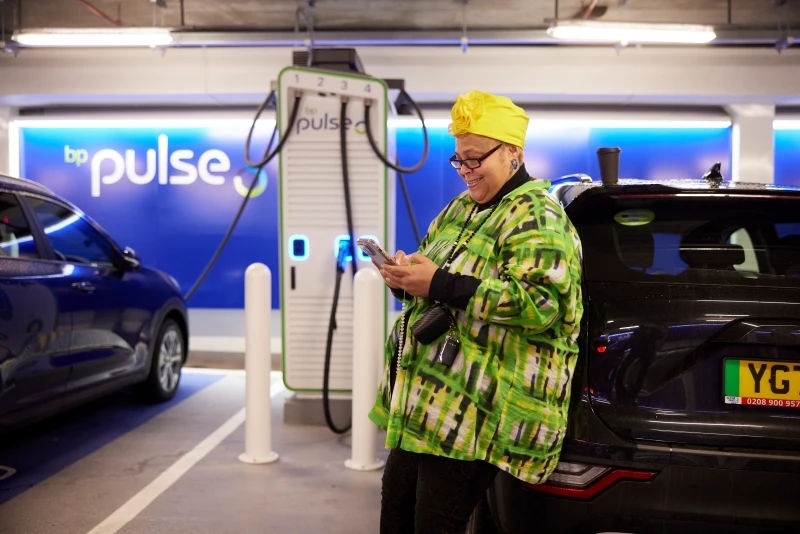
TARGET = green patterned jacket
(505,398)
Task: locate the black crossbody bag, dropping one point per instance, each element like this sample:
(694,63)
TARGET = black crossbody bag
(438,320)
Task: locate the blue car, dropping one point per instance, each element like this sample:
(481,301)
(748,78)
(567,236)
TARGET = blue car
(80,316)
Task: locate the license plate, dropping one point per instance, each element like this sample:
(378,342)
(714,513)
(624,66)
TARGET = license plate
(762,383)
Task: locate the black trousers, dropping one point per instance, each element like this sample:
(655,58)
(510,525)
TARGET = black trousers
(425,494)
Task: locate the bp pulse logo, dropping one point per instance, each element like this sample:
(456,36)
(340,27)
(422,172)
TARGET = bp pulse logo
(314,121)
(176,167)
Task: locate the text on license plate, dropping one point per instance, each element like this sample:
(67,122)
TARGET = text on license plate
(762,383)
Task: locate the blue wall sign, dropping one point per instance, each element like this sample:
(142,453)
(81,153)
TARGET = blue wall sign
(787,157)
(170,190)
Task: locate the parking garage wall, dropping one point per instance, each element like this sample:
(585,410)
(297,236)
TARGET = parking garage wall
(119,174)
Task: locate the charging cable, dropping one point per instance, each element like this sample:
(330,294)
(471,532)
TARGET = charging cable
(396,167)
(343,251)
(259,166)
(341,262)
(342,255)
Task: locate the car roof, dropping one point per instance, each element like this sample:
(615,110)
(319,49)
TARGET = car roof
(24,185)
(568,188)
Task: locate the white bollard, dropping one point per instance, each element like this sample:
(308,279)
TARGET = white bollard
(258,363)
(367,355)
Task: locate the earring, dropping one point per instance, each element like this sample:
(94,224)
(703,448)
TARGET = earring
(513,165)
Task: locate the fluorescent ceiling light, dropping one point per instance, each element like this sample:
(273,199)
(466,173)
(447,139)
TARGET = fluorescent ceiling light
(786,124)
(404,123)
(537,124)
(147,123)
(633,123)
(99,37)
(630,32)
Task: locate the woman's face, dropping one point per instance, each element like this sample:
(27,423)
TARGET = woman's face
(485,181)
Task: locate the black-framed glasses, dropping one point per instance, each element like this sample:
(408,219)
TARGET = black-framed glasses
(472,163)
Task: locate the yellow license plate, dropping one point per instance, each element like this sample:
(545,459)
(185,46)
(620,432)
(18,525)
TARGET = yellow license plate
(762,383)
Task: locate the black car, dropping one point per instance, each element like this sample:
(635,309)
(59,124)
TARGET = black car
(79,315)
(685,413)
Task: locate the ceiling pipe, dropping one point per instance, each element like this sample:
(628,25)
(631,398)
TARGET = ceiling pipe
(532,37)
(464,37)
(99,13)
(589,9)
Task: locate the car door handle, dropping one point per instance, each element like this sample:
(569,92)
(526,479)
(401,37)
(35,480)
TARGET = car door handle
(83,286)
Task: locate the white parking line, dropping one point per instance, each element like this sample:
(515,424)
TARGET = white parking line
(210,371)
(6,472)
(128,511)
(274,375)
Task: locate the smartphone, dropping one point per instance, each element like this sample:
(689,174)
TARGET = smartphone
(372,249)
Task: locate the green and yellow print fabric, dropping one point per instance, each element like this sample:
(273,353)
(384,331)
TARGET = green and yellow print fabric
(505,398)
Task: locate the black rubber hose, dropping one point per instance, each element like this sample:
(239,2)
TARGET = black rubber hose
(326,406)
(409,207)
(341,263)
(346,181)
(423,159)
(261,108)
(267,158)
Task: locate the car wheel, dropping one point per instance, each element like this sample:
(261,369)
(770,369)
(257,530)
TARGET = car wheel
(167,362)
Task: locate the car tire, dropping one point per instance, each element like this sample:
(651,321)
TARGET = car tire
(165,365)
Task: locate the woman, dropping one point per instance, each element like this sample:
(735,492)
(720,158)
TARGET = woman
(489,391)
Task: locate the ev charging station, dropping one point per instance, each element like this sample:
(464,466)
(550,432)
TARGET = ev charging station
(336,185)
(337,178)
(323,171)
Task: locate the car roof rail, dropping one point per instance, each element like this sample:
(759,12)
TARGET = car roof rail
(560,185)
(570,179)
(578,178)
(25,184)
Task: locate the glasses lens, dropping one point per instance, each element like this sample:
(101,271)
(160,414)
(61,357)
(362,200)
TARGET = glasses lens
(469,163)
(472,163)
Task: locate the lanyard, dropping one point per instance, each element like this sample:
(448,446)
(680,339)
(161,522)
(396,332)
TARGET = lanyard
(453,254)
(458,250)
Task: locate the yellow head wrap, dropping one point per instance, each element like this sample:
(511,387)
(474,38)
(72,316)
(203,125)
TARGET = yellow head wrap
(496,117)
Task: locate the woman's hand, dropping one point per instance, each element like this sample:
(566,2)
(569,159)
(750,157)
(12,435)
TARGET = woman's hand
(413,275)
(400,258)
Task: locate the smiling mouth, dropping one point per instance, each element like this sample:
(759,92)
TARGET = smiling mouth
(472,183)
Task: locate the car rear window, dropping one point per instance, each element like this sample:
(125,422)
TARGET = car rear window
(698,239)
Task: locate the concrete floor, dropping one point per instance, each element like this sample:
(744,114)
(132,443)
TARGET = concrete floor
(307,490)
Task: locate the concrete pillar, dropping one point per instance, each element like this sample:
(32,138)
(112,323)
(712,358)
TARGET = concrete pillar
(7,114)
(753,154)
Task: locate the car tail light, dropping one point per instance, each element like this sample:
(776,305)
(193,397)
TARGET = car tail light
(584,481)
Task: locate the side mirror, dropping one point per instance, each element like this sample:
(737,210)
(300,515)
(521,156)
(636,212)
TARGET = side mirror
(131,258)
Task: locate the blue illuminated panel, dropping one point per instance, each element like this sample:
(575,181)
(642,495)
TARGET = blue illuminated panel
(787,148)
(342,241)
(298,248)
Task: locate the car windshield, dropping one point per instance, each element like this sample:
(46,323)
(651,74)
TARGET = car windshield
(689,239)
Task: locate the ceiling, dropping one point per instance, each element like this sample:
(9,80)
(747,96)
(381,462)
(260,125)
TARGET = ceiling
(775,17)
